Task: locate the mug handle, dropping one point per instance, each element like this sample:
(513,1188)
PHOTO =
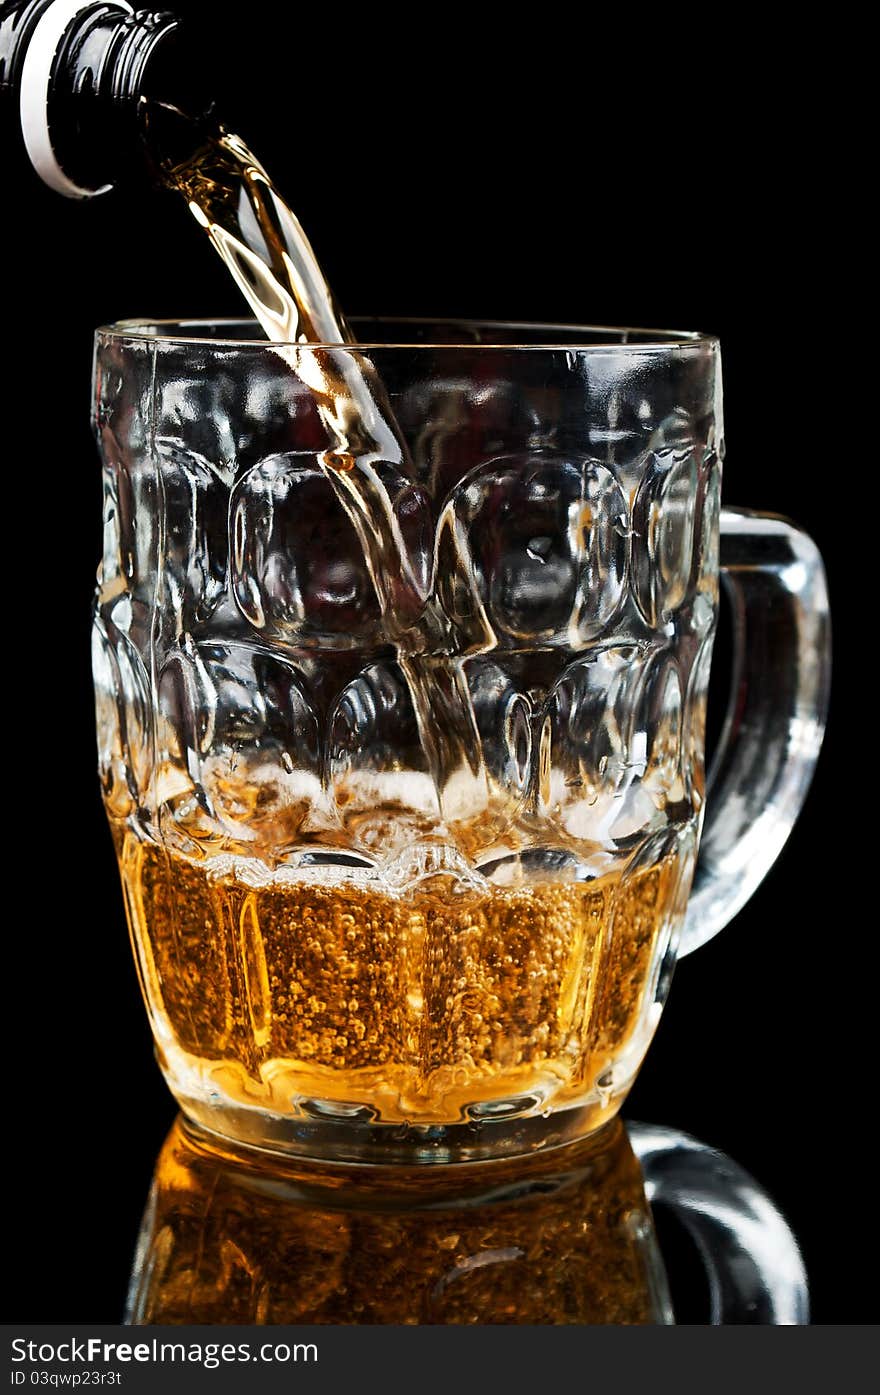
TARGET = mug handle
(752,1261)
(773,575)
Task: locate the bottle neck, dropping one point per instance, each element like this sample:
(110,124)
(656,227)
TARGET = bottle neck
(80,71)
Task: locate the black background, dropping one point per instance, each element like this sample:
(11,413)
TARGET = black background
(441,169)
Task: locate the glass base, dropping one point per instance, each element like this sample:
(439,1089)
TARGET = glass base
(360,1141)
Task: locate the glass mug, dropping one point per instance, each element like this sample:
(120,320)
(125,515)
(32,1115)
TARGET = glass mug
(401,718)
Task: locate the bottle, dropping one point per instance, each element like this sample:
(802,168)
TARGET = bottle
(80,74)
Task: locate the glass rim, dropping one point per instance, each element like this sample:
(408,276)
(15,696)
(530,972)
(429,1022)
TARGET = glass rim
(145,329)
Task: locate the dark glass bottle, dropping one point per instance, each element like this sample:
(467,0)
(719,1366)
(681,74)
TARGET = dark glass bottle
(76,77)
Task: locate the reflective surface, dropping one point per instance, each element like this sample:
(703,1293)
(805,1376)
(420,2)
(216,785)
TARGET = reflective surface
(564,1237)
(404,762)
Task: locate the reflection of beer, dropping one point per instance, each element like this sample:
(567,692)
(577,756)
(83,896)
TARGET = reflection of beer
(234,1240)
(430,1006)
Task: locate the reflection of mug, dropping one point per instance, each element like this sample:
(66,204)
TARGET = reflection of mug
(240,1239)
(402,748)
(554,1238)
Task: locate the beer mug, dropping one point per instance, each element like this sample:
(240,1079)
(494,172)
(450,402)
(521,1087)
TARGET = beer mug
(402,745)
